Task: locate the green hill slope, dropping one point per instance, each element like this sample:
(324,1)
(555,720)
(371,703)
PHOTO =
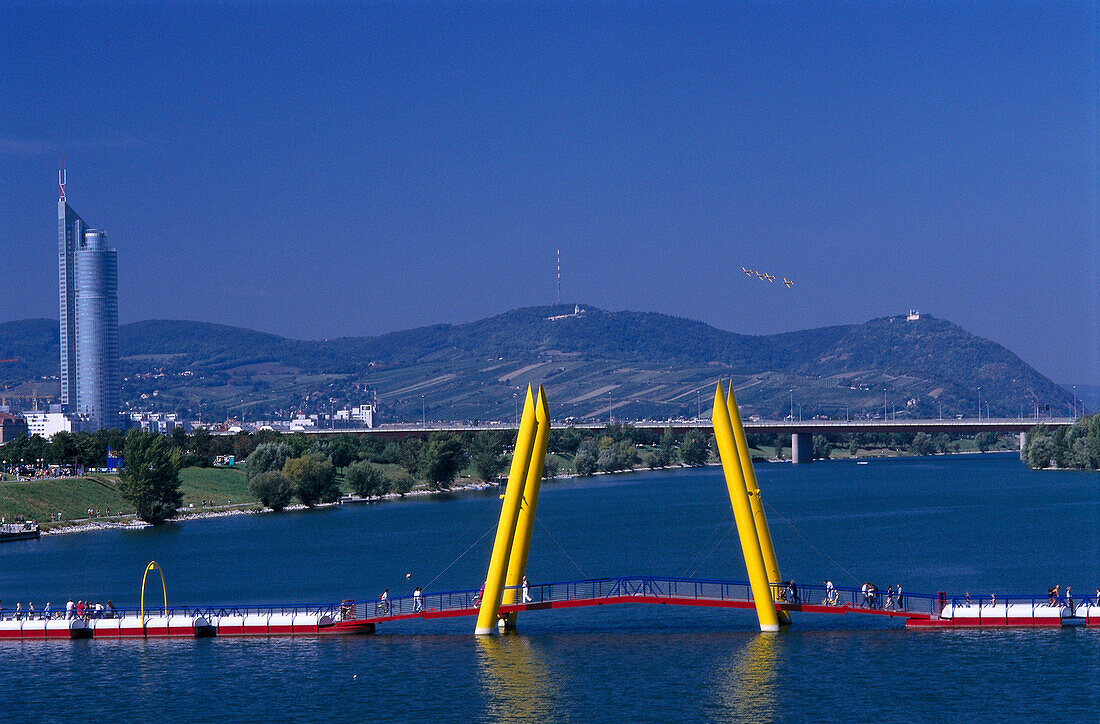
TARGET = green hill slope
(642,365)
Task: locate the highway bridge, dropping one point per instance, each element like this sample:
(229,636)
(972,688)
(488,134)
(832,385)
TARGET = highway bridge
(801,431)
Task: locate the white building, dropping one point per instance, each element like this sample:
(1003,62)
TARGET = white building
(46,424)
(303,422)
(162,422)
(358,416)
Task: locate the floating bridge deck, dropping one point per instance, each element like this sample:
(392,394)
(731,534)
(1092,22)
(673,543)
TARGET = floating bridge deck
(357,617)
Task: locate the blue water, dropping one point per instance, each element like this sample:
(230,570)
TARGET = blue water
(979,524)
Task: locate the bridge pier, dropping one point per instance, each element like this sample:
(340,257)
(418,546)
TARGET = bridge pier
(802,447)
(1023,446)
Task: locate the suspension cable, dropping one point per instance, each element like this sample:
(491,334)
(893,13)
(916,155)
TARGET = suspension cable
(729,528)
(471,546)
(810,543)
(695,559)
(560,548)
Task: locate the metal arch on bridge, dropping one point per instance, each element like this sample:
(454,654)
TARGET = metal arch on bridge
(163,588)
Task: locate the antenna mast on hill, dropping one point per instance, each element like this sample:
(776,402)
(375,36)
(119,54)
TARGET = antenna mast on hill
(559,275)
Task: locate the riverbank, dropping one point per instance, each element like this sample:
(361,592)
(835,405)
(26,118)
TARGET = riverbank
(202,484)
(130,522)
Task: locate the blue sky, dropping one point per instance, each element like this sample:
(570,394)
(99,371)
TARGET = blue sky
(319,170)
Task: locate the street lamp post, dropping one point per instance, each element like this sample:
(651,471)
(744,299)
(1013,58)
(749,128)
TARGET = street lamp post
(1075,402)
(884,414)
(979,402)
(610,420)
(423,415)
(792,405)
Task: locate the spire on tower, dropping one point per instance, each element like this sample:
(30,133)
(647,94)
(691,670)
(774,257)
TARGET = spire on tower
(60,179)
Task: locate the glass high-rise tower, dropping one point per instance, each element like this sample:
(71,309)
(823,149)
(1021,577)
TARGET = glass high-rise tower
(88,295)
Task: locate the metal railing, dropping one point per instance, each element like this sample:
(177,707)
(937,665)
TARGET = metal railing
(657,587)
(335,610)
(635,588)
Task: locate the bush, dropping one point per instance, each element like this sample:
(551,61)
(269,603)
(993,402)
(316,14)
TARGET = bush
(366,480)
(1040,451)
(922,444)
(150,479)
(273,489)
(550,468)
(586,461)
(399,482)
(441,459)
(485,454)
(695,448)
(780,441)
(315,478)
(267,457)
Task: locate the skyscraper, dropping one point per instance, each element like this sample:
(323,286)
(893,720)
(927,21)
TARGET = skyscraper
(88,295)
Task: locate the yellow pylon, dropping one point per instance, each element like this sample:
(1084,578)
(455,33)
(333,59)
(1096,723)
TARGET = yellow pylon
(513,493)
(742,514)
(521,543)
(763,534)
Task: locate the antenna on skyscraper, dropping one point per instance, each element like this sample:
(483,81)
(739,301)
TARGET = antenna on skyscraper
(559,275)
(61,179)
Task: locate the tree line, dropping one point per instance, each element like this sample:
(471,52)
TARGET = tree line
(280,468)
(1075,447)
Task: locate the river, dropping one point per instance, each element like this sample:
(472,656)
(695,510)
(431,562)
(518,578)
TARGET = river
(964,523)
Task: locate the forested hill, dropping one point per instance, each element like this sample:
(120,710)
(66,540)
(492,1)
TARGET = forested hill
(642,364)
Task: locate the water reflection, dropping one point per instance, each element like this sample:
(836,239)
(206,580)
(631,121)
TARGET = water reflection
(515,679)
(745,687)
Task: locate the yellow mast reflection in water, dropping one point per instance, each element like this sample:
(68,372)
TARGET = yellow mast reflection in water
(745,690)
(514,677)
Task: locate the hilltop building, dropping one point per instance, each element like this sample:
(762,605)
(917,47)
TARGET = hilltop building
(88,296)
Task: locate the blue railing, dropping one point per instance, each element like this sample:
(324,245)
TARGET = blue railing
(637,587)
(657,587)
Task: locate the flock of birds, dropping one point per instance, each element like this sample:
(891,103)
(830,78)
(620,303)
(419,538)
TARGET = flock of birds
(766,277)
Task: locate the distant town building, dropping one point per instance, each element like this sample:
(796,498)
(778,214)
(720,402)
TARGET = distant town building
(88,296)
(48,423)
(913,316)
(358,416)
(302,422)
(11,427)
(162,422)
